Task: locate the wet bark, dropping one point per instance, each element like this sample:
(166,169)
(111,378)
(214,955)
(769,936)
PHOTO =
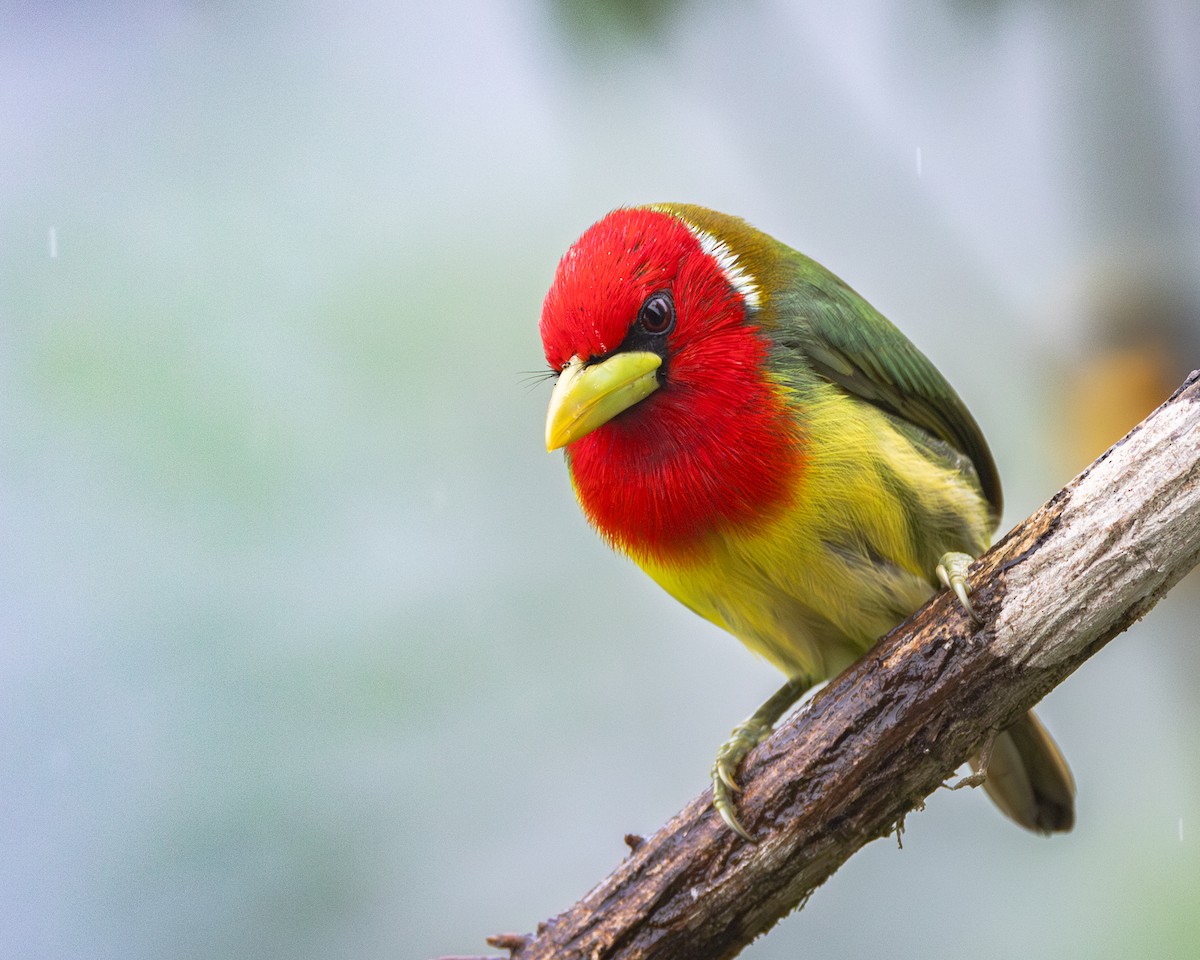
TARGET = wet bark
(891,729)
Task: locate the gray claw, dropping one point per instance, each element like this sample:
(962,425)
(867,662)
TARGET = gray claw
(724,806)
(952,572)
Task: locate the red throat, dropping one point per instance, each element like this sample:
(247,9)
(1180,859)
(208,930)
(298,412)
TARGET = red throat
(717,448)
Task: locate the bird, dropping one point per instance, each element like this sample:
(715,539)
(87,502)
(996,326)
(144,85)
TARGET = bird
(777,456)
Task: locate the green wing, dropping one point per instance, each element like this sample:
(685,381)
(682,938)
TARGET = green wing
(847,341)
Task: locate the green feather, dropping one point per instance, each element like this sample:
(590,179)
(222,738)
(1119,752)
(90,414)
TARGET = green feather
(811,314)
(850,343)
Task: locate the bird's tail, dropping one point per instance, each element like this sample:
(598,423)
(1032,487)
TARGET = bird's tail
(1028,778)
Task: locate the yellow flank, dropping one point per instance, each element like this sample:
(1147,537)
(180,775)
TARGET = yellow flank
(812,587)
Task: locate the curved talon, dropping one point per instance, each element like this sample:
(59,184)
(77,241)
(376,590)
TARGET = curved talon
(725,775)
(744,738)
(976,779)
(724,806)
(960,588)
(952,571)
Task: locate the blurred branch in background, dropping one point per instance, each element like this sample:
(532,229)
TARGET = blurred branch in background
(891,730)
(1139,334)
(590,22)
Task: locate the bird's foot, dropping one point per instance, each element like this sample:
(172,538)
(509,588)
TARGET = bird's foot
(952,571)
(745,737)
(976,779)
(979,766)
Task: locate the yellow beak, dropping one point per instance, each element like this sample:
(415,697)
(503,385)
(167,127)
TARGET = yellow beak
(587,397)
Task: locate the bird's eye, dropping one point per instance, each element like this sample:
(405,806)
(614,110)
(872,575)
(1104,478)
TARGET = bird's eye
(658,313)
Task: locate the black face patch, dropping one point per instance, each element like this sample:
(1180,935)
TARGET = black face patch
(650,331)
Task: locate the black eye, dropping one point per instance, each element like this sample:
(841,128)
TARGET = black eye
(657,315)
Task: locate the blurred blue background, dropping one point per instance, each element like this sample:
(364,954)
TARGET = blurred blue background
(307,651)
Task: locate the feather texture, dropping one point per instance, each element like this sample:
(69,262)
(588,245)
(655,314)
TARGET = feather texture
(798,468)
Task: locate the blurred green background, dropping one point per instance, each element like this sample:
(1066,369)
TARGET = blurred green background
(307,651)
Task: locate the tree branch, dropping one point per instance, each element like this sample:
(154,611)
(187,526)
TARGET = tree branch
(890,730)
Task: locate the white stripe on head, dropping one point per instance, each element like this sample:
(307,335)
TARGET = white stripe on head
(727,260)
(738,278)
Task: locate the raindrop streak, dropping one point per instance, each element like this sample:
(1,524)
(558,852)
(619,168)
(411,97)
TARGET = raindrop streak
(53,238)
(918,161)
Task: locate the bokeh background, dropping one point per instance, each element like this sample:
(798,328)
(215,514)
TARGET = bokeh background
(306,650)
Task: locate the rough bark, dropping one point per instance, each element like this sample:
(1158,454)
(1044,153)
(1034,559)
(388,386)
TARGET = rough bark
(891,729)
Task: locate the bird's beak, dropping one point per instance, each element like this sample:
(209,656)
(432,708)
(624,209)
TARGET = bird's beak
(587,397)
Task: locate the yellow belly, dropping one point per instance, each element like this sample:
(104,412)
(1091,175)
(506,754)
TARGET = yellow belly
(813,587)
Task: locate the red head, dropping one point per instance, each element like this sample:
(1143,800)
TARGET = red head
(700,438)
